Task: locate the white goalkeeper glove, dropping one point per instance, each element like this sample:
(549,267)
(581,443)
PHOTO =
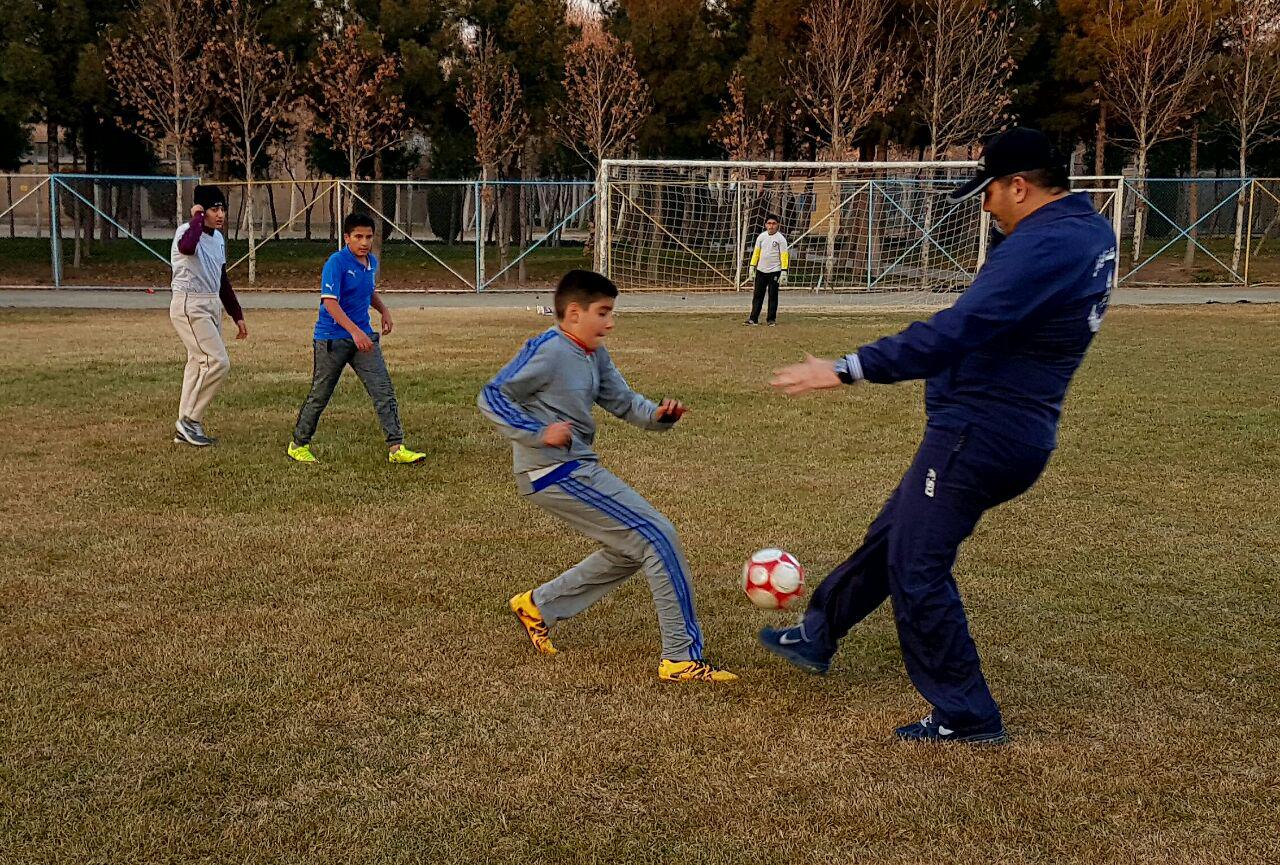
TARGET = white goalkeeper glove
(751,272)
(782,279)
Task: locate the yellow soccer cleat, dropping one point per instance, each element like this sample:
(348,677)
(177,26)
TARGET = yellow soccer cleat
(403,455)
(530,617)
(692,671)
(301,453)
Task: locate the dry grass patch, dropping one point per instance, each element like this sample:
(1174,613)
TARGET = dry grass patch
(221,656)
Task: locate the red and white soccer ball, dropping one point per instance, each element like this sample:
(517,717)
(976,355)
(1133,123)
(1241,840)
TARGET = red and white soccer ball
(773,579)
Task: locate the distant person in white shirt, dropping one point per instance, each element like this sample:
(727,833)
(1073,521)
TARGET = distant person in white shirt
(769,263)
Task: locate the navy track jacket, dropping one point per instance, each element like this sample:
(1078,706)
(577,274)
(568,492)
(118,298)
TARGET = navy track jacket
(1002,357)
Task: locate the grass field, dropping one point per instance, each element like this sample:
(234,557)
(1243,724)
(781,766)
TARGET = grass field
(218,656)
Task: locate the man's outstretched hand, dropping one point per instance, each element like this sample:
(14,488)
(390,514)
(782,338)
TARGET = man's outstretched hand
(813,373)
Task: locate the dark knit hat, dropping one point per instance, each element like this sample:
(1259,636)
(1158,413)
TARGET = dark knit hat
(210,197)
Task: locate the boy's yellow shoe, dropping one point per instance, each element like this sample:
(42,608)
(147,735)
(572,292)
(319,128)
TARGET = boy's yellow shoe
(528,614)
(692,671)
(403,455)
(301,453)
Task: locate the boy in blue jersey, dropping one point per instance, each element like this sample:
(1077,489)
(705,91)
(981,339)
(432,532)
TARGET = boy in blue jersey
(542,401)
(344,336)
(997,365)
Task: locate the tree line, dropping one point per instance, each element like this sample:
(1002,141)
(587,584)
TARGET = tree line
(538,88)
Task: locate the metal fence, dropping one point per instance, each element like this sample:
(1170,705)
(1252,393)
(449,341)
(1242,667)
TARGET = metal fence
(78,231)
(75,230)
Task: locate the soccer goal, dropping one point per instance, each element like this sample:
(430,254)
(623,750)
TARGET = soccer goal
(851,226)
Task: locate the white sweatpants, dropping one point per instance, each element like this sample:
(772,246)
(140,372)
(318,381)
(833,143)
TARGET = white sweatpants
(198,320)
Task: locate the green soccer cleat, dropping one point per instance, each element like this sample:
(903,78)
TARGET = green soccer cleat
(403,455)
(301,453)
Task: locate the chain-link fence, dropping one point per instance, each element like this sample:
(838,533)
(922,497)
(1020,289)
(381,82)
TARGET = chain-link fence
(862,232)
(433,235)
(1200,231)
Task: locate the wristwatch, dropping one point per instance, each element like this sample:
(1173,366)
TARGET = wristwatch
(849,369)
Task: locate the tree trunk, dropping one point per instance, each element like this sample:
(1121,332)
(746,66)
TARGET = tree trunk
(522,211)
(334,202)
(253,233)
(1237,246)
(350,206)
(344,208)
(504,230)
(309,205)
(833,224)
(77,216)
(135,212)
(655,246)
(177,183)
(484,218)
(1100,155)
(1100,143)
(95,195)
(379,204)
(1139,206)
(8,182)
(1193,203)
(54,166)
(926,240)
(54,162)
(271,202)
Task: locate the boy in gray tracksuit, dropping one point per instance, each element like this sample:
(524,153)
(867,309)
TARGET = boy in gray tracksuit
(542,400)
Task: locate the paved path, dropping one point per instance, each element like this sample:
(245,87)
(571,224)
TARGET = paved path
(92,298)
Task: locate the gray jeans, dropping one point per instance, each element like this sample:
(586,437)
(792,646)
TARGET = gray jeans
(331,357)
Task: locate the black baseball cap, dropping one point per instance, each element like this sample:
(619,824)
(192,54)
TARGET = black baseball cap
(1011,152)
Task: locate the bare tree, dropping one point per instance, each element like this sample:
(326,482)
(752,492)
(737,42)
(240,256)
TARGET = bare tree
(848,72)
(605,99)
(256,88)
(493,100)
(156,70)
(1154,57)
(966,62)
(1250,76)
(352,99)
(743,130)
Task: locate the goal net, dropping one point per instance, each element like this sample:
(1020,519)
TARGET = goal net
(865,227)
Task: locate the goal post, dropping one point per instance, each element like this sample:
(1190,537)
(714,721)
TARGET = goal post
(851,226)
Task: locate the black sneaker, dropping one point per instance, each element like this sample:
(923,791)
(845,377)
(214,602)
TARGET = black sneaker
(188,434)
(792,645)
(751,322)
(929,730)
(772,323)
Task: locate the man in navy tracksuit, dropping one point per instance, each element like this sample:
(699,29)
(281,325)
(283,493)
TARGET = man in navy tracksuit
(997,366)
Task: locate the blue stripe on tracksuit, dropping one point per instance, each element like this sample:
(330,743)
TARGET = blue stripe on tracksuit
(651,533)
(498,401)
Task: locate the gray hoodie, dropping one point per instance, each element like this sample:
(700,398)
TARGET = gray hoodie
(554,379)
